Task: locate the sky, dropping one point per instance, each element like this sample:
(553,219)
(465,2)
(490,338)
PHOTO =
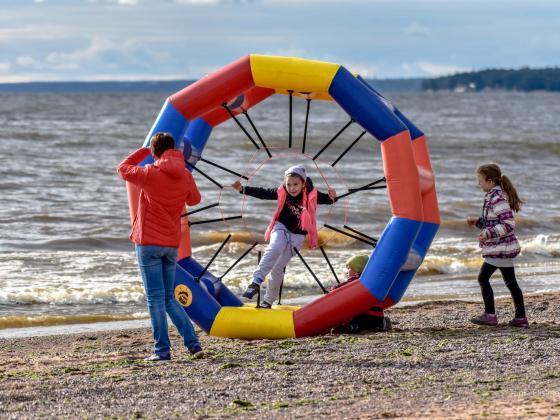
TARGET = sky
(56,40)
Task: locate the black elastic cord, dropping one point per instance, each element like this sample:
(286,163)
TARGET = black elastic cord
(259,289)
(281,287)
(239,259)
(306,120)
(208,177)
(365,187)
(240,125)
(223,168)
(311,271)
(257,133)
(200,209)
(200,222)
(358,238)
(380,187)
(333,139)
(371,238)
(213,258)
(329,263)
(291,92)
(348,148)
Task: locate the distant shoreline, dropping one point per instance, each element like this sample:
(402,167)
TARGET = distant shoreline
(169,86)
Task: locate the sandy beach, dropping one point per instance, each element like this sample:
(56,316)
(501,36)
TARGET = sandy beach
(433,363)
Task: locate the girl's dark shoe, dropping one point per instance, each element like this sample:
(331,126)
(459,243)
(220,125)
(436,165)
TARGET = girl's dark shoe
(519,322)
(485,319)
(251,291)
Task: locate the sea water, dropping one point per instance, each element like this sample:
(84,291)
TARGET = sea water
(65,256)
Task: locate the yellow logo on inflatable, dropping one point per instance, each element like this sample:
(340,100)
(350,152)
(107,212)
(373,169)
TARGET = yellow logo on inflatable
(183,295)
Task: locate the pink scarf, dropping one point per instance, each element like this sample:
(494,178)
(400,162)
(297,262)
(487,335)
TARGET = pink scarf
(308,217)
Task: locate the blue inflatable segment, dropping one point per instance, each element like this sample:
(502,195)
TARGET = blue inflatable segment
(389,256)
(203,308)
(213,284)
(415,132)
(364,106)
(421,245)
(170,121)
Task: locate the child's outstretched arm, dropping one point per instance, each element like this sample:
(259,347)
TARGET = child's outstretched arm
(257,192)
(326,198)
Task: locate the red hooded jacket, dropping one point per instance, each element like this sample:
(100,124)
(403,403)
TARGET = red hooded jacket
(165,188)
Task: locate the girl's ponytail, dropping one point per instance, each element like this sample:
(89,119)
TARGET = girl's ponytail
(492,172)
(513,198)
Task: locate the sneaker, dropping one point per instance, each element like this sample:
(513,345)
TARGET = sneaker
(519,322)
(197,348)
(265,305)
(158,357)
(251,291)
(485,319)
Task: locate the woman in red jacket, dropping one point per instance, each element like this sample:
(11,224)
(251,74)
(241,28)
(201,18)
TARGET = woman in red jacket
(165,188)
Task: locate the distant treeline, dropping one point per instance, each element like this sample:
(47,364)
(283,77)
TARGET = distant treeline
(524,79)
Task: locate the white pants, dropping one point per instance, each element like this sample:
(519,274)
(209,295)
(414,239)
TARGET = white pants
(277,254)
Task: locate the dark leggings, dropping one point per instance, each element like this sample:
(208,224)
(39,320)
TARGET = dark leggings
(508,273)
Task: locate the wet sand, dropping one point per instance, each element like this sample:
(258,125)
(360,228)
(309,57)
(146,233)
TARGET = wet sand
(433,363)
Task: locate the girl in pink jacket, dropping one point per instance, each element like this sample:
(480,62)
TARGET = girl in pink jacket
(498,242)
(293,220)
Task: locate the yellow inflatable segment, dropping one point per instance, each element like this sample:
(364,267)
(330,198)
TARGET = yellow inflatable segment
(250,323)
(296,74)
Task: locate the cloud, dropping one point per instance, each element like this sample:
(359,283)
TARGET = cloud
(434,69)
(425,68)
(96,47)
(30,32)
(416,29)
(26,61)
(5,66)
(127,2)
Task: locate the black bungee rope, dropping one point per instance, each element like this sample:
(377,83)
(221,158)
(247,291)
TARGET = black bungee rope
(281,287)
(306,120)
(310,271)
(329,263)
(223,168)
(358,238)
(348,148)
(197,278)
(201,222)
(257,132)
(291,94)
(333,139)
(239,259)
(227,108)
(200,209)
(208,177)
(365,187)
(370,238)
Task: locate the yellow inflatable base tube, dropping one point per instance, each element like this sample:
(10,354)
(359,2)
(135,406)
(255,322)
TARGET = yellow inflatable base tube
(250,323)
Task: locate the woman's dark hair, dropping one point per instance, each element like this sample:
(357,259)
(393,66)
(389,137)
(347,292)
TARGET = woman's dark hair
(160,143)
(492,172)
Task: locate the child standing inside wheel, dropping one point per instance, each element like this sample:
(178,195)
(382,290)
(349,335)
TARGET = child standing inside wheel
(293,220)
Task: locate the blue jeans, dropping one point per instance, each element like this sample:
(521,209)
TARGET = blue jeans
(157,266)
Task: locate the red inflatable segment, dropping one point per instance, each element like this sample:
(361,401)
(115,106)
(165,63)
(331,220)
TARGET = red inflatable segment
(429,196)
(213,90)
(332,309)
(400,173)
(252,97)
